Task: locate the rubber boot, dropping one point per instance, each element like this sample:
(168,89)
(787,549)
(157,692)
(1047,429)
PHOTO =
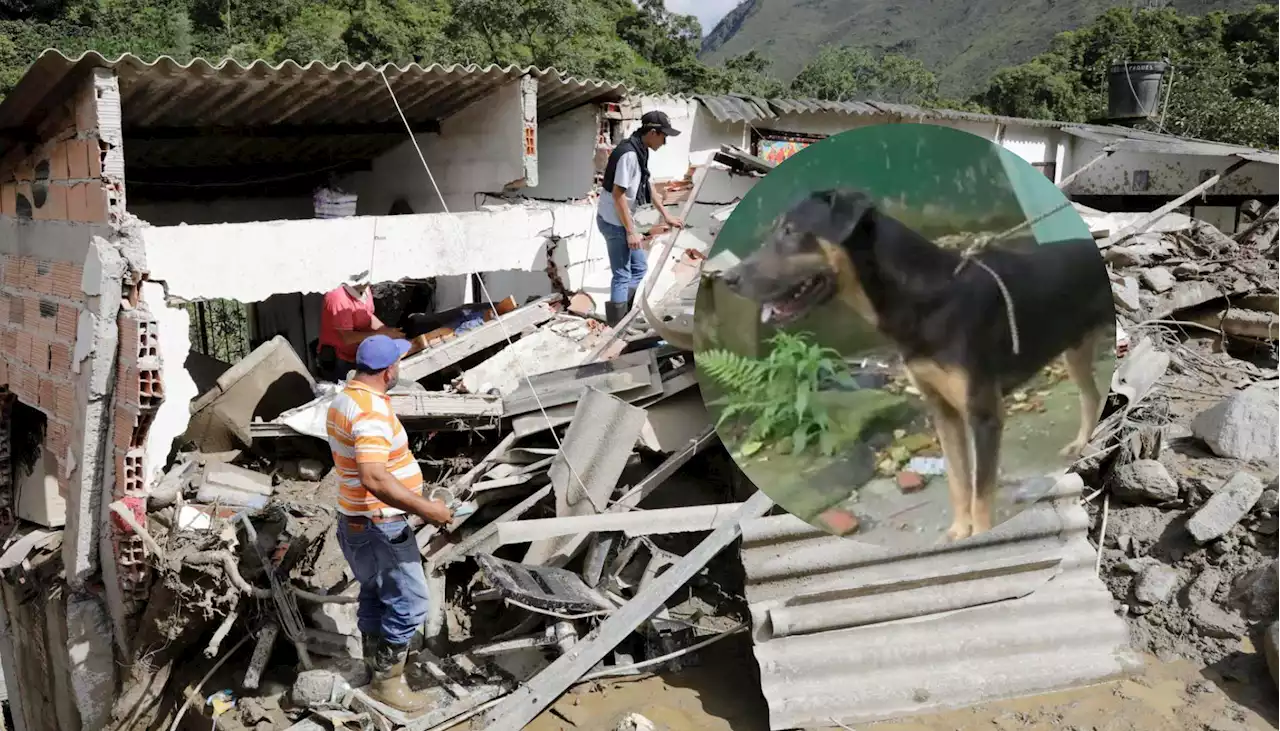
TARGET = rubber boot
(369,647)
(614,312)
(389,685)
(631,297)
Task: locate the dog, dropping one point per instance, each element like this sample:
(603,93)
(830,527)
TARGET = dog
(951,324)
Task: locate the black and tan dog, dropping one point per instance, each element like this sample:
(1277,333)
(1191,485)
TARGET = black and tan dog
(952,328)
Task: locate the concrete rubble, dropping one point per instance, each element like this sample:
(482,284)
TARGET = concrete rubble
(555,539)
(1186,451)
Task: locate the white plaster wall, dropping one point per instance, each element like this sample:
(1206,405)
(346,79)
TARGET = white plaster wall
(316,255)
(479,149)
(566,155)
(174,333)
(1170,175)
(672,161)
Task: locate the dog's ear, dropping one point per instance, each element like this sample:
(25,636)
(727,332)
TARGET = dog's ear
(848,212)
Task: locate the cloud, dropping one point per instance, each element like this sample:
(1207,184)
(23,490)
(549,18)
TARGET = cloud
(708,12)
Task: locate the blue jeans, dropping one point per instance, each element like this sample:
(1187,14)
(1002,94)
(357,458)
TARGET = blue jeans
(628,265)
(393,587)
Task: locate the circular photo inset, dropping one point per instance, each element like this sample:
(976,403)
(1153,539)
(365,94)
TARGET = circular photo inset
(905,334)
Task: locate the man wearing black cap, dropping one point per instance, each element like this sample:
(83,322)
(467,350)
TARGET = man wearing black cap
(627,187)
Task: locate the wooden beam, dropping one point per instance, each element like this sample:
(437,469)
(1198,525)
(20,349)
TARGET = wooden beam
(522,706)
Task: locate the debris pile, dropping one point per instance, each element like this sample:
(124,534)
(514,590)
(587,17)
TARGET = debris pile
(549,433)
(1185,456)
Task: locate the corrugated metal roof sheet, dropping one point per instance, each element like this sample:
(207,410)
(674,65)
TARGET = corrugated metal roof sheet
(165,93)
(856,633)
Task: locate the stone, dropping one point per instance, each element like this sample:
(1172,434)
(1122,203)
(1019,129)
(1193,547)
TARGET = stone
(1255,591)
(1125,292)
(1226,507)
(1204,586)
(1156,584)
(1145,480)
(1157,279)
(635,722)
(1269,502)
(909,481)
(1214,621)
(1136,565)
(1269,638)
(317,688)
(1244,426)
(1267,526)
(311,470)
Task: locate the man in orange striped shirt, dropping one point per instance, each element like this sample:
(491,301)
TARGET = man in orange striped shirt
(380,486)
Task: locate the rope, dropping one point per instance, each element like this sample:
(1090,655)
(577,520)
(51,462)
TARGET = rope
(1004,292)
(484,289)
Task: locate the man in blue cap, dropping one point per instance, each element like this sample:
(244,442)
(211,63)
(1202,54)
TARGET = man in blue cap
(380,486)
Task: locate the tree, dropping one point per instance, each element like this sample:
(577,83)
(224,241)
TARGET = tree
(747,73)
(849,73)
(1223,82)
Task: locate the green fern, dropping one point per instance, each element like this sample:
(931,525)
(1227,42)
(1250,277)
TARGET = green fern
(777,393)
(731,371)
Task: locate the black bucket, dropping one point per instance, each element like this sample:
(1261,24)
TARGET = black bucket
(1133,90)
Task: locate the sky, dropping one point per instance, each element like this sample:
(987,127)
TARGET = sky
(709,12)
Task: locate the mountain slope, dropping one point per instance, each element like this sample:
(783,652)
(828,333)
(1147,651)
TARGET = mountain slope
(962,41)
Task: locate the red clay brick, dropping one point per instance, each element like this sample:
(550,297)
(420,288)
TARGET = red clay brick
(65,325)
(4,372)
(93,153)
(8,199)
(95,203)
(48,395)
(123,426)
(67,401)
(12,271)
(9,345)
(26,385)
(78,158)
(59,359)
(42,276)
(22,351)
(87,111)
(66,280)
(47,313)
(58,161)
(4,309)
(127,390)
(39,353)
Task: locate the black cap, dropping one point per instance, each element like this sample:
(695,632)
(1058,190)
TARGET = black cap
(659,121)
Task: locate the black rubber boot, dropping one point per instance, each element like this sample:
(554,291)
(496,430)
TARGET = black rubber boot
(631,297)
(614,312)
(369,648)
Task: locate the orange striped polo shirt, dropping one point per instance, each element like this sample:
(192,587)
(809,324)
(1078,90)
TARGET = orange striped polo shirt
(363,428)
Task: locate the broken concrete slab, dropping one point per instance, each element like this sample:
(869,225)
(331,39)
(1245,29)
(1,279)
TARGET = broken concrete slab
(1242,322)
(314,688)
(1226,507)
(550,348)
(261,386)
(1145,480)
(433,359)
(231,485)
(1185,295)
(1245,426)
(1126,294)
(1255,591)
(671,424)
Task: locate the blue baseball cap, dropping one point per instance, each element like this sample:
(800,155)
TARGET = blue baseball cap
(379,352)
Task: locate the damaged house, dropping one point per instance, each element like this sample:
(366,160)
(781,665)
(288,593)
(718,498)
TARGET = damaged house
(164,490)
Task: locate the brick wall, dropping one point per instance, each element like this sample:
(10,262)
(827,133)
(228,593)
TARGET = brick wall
(56,196)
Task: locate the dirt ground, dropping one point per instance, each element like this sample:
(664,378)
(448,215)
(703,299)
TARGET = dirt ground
(722,694)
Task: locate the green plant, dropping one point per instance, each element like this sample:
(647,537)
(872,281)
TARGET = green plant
(778,393)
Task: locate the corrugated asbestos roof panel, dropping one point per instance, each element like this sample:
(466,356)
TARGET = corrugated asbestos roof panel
(165,93)
(731,108)
(854,633)
(811,106)
(1131,140)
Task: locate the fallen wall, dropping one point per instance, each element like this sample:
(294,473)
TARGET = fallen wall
(1167,175)
(60,290)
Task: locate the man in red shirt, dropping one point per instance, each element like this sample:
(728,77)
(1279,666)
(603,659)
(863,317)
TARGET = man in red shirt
(346,319)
